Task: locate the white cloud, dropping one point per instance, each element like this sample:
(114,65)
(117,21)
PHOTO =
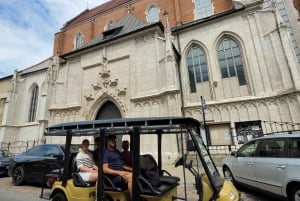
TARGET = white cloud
(28,28)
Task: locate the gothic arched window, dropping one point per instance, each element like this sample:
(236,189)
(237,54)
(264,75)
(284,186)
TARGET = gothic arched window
(197,67)
(230,60)
(33,104)
(153,14)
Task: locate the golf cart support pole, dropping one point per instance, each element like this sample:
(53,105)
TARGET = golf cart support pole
(100,193)
(67,158)
(159,149)
(136,162)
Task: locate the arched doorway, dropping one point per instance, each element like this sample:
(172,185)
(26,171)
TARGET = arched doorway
(110,111)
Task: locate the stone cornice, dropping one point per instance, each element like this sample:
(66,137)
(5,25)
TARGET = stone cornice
(67,108)
(154,95)
(245,100)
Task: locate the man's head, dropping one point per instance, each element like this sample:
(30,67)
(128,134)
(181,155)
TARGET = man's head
(125,145)
(111,141)
(85,145)
(97,140)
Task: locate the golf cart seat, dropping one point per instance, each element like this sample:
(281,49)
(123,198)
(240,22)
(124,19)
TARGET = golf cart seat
(152,181)
(78,181)
(108,185)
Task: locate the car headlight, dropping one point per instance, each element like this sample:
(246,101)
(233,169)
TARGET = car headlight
(232,196)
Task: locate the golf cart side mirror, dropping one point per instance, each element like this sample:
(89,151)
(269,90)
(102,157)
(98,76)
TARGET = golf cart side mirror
(233,153)
(181,161)
(190,145)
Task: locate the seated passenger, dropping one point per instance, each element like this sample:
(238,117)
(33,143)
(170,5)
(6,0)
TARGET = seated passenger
(85,164)
(126,154)
(113,165)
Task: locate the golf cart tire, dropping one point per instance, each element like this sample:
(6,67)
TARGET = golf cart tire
(18,176)
(59,197)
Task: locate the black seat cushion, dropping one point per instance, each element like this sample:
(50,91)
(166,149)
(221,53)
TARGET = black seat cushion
(113,183)
(78,181)
(151,181)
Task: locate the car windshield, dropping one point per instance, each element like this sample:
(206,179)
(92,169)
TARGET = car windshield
(208,164)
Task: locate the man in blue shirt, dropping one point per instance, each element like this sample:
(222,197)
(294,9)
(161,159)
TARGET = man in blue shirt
(113,165)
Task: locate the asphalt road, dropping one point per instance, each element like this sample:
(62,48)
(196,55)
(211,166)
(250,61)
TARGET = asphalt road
(8,192)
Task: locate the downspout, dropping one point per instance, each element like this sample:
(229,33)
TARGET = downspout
(179,75)
(178,62)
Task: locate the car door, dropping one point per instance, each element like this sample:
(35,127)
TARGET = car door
(54,158)
(243,165)
(40,159)
(271,164)
(33,163)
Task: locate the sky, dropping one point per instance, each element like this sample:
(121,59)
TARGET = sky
(27,29)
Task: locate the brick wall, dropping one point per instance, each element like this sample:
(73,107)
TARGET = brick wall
(297,6)
(179,11)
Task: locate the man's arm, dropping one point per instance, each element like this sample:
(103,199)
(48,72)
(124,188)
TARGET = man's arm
(110,171)
(86,169)
(127,168)
(80,164)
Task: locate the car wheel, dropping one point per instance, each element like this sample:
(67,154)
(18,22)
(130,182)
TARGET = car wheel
(18,176)
(59,197)
(227,174)
(295,193)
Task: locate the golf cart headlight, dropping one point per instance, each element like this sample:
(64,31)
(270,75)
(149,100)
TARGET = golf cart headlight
(232,196)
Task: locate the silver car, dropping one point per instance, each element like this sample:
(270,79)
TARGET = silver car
(270,163)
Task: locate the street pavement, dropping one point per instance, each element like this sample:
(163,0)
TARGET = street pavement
(8,192)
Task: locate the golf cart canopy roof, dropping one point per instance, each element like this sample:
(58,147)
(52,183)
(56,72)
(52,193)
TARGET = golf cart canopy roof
(123,126)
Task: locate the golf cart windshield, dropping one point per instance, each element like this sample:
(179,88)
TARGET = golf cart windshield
(215,179)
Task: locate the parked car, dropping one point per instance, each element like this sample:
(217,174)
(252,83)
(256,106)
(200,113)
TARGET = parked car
(270,164)
(5,160)
(31,166)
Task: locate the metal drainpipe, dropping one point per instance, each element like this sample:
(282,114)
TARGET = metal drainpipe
(179,74)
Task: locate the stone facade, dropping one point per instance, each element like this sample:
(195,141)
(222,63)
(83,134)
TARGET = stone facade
(145,72)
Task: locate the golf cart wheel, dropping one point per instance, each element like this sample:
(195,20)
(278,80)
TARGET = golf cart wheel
(59,197)
(107,198)
(18,176)
(295,193)
(227,174)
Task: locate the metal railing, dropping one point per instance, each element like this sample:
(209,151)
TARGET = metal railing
(20,146)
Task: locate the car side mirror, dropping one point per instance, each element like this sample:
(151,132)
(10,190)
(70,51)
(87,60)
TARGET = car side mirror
(233,153)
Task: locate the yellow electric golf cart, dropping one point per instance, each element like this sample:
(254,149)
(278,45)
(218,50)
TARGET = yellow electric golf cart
(196,176)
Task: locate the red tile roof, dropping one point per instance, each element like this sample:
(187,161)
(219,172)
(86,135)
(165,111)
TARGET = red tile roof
(86,14)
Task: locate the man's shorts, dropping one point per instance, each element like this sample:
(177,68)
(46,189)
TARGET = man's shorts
(85,175)
(119,182)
